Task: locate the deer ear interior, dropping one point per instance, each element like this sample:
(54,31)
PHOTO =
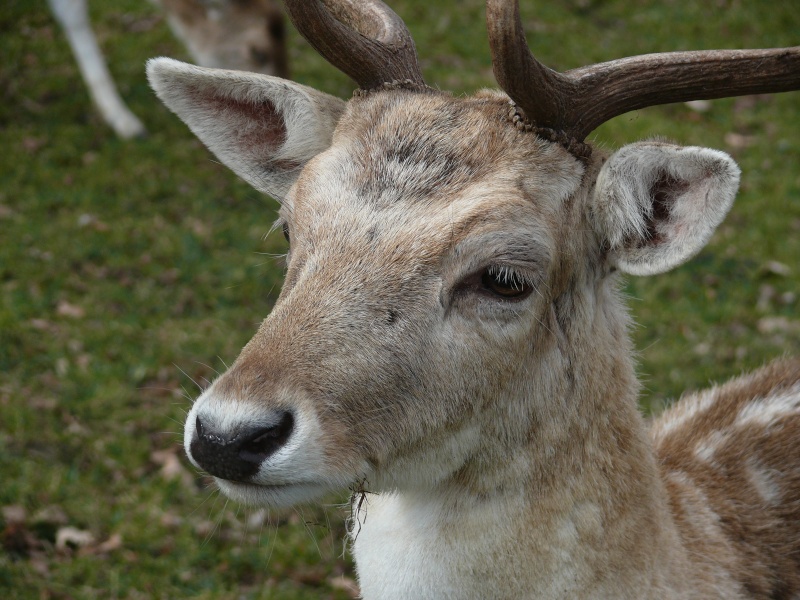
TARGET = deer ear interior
(263,128)
(656,205)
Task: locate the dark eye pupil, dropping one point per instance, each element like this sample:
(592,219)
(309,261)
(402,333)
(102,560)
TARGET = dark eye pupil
(505,285)
(286,232)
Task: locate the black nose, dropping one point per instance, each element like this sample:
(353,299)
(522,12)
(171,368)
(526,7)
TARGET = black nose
(237,456)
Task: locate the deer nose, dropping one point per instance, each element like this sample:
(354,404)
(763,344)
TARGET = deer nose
(238,456)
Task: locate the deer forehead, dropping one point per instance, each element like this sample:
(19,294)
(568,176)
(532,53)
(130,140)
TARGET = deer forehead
(424,172)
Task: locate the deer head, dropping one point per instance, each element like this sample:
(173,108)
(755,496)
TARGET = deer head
(450,297)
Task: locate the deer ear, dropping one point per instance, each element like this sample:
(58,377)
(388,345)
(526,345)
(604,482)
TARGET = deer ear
(263,128)
(655,205)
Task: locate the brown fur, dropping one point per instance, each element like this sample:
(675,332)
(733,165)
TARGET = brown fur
(754,538)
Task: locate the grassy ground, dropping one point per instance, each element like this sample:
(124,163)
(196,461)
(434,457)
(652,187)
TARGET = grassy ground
(128,270)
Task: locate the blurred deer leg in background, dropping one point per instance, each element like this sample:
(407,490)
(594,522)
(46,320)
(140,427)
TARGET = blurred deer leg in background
(74,19)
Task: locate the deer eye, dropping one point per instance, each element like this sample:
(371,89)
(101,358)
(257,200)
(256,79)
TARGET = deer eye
(505,283)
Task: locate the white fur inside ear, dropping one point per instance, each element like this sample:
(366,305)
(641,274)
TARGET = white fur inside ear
(263,128)
(656,205)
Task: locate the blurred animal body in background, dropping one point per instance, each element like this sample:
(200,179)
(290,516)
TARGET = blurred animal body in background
(245,35)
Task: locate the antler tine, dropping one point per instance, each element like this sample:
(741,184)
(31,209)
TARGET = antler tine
(363,38)
(542,93)
(580,100)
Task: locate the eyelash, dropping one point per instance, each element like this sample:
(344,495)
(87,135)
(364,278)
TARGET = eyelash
(505,283)
(507,275)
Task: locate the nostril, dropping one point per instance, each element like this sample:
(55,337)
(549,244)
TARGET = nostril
(264,442)
(203,436)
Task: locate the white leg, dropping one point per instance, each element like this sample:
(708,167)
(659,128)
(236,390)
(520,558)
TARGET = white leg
(73,17)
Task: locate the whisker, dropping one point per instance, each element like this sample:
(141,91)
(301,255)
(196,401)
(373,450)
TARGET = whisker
(188,377)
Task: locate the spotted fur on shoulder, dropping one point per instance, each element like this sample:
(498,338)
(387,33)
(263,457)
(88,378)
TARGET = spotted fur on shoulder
(730,457)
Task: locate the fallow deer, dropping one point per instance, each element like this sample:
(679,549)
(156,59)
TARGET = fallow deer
(450,335)
(232,34)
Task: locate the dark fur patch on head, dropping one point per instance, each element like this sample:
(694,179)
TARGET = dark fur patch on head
(435,150)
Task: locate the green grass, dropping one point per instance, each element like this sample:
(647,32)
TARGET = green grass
(129,269)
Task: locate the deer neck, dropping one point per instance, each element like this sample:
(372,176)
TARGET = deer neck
(571,493)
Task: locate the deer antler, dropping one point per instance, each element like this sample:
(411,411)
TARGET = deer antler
(363,38)
(580,100)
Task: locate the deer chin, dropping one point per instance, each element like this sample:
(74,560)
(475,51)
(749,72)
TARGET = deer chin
(281,495)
